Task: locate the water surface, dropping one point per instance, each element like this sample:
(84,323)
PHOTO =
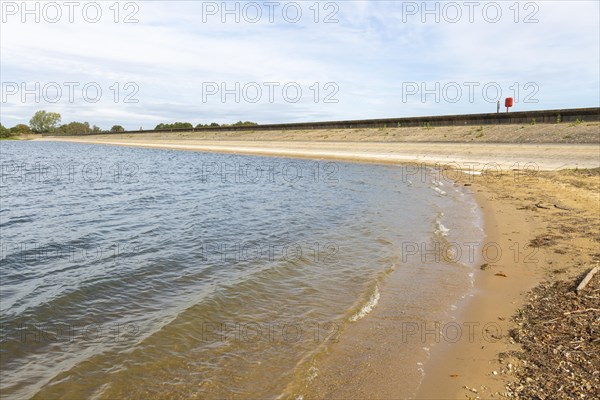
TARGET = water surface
(130,272)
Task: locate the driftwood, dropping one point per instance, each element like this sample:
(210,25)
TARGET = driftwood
(587,279)
(561,207)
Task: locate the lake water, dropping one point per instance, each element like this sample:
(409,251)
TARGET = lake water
(137,273)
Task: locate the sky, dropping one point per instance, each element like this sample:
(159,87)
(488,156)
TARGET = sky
(141,63)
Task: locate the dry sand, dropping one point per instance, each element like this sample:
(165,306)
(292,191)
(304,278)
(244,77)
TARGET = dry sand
(546,223)
(467,156)
(553,146)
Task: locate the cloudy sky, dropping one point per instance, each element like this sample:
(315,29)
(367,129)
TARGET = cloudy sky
(140,63)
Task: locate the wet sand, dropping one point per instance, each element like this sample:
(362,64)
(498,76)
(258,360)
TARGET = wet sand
(543,222)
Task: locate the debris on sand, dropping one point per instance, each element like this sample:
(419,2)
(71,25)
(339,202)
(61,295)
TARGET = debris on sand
(559,331)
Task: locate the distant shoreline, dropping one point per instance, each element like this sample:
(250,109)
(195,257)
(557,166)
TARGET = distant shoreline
(477,156)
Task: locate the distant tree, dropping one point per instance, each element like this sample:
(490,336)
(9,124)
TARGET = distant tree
(245,123)
(4,133)
(75,128)
(117,128)
(96,129)
(20,129)
(183,125)
(213,124)
(43,121)
(176,125)
(201,126)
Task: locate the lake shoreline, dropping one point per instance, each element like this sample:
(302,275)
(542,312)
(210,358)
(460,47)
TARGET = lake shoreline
(474,157)
(519,208)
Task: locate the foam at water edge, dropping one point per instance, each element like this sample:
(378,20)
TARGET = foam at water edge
(440,228)
(439,191)
(470,172)
(367,308)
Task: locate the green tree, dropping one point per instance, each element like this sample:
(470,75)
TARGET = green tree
(4,133)
(245,123)
(117,128)
(176,125)
(76,128)
(44,121)
(183,125)
(20,129)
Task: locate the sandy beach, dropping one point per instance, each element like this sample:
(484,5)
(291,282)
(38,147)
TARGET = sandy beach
(547,227)
(540,197)
(489,148)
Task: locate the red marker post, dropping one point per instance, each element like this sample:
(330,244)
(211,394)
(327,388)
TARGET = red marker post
(508,103)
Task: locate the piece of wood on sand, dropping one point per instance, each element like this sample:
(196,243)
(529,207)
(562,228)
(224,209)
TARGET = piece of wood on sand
(586,280)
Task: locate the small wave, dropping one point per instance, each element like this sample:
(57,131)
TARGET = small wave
(439,191)
(470,172)
(367,308)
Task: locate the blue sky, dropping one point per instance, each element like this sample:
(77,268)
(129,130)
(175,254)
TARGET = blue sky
(372,59)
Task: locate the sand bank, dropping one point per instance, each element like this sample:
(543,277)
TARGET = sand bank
(477,156)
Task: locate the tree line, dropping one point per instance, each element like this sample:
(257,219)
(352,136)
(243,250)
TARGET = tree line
(187,125)
(49,122)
